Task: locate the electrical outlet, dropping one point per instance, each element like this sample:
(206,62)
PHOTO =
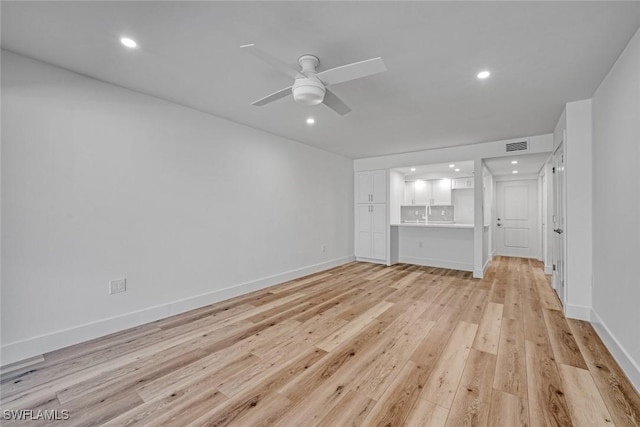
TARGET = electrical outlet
(420,245)
(323,248)
(117,286)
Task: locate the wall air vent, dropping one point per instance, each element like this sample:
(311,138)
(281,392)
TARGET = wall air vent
(517,146)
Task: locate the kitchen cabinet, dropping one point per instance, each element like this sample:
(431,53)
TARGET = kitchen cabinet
(429,192)
(423,192)
(371,232)
(462,183)
(371,225)
(441,191)
(409,193)
(371,186)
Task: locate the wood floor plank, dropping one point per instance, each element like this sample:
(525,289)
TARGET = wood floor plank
(616,390)
(547,403)
(427,414)
(355,326)
(205,373)
(585,403)
(564,346)
(488,336)
(330,388)
(508,410)
(359,344)
(245,404)
(379,374)
(478,300)
(396,404)
(511,374)
(473,397)
(535,329)
(351,411)
(443,382)
(513,302)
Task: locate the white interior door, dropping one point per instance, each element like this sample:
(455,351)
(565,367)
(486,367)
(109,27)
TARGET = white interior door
(516,217)
(558,247)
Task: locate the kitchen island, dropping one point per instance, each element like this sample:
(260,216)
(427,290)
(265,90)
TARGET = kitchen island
(444,245)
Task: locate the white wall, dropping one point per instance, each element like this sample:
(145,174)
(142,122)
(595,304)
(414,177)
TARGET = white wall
(488,202)
(396,195)
(462,201)
(484,150)
(616,209)
(99,182)
(578,216)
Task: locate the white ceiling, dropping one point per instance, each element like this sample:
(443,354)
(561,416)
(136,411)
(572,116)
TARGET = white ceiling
(528,164)
(438,170)
(541,55)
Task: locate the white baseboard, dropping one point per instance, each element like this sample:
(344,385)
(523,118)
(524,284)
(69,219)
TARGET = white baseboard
(20,350)
(630,367)
(428,262)
(580,312)
(373,261)
(479,274)
(548,270)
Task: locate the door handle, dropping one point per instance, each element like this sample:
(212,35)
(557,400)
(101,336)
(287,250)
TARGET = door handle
(558,230)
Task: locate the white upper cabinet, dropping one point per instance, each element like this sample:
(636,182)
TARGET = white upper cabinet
(423,192)
(429,192)
(371,186)
(409,193)
(461,183)
(441,191)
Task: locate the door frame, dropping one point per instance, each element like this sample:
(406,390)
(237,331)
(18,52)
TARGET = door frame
(559,219)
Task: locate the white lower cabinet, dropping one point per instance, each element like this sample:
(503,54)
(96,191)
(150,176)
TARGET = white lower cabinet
(371,232)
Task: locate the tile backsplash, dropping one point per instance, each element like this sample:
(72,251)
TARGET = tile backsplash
(440,213)
(413,213)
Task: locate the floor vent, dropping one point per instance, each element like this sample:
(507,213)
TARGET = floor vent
(517,146)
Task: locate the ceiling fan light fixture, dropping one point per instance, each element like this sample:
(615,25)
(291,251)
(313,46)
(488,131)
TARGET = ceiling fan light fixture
(308,91)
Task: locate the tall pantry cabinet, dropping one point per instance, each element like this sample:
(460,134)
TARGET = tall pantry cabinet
(371,216)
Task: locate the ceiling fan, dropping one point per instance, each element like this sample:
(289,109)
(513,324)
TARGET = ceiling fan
(309,86)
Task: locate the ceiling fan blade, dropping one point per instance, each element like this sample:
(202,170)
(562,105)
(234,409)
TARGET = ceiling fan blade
(273,97)
(352,71)
(335,103)
(275,63)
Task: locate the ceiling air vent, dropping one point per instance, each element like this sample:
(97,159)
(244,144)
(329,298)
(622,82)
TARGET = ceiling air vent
(517,146)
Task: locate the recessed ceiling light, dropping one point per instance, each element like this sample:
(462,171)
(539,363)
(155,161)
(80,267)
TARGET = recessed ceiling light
(452,166)
(514,162)
(413,169)
(457,170)
(483,74)
(130,43)
(311,121)
(514,172)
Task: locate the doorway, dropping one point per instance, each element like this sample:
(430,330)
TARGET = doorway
(558,247)
(517,218)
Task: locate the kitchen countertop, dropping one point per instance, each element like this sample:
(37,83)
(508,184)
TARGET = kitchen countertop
(433,225)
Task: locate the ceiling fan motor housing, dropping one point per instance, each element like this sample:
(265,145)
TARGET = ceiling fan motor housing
(308,91)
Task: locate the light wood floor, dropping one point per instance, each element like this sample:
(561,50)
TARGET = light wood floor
(361,344)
